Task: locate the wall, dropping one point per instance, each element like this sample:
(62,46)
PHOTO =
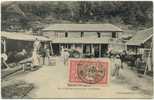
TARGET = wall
(78,34)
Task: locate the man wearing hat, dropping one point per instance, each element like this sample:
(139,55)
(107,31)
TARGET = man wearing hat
(65,56)
(117,66)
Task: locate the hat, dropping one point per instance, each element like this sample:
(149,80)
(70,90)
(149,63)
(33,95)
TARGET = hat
(117,56)
(65,49)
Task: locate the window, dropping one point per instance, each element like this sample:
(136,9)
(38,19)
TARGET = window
(66,34)
(113,34)
(99,35)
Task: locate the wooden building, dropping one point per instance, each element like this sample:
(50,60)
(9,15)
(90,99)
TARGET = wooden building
(88,37)
(14,42)
(142,44)
(141,40)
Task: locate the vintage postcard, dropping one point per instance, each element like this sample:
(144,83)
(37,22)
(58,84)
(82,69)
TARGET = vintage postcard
(77,49)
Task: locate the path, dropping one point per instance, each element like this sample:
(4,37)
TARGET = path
(52,82)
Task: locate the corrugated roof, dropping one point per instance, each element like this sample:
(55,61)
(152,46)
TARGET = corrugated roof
(141,36)
(82,27)
(22,36)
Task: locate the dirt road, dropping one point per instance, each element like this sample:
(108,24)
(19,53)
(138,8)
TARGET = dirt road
(52,82)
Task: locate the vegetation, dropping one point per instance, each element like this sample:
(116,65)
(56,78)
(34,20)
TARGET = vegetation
(33,15)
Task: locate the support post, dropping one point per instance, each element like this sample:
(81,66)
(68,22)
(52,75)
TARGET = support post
(136,49)
(51,48)
(59,49)
(67,46)
(92,49)
(81,48)
(99,50)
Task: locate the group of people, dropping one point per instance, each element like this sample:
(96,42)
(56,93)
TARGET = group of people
(119,63)
(17,57)
(140,63)
(40,54)
(121,59)
(117,67)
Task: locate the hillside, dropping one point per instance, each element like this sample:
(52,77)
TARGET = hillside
(17,16)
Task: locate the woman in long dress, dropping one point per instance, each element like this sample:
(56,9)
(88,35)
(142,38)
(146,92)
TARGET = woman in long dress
(35,55)
(36,44)
(35,59)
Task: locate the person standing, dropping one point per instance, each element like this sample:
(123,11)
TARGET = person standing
(140,64)
(36,44)
(109,52)
(4,58)
(117,66)
(62,51)
(123,55)
(42,53)
(47,54)
(65,56)
(96,52)
(62,54)
(35,55)
(35,59)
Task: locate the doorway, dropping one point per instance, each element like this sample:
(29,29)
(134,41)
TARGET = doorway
(104,49)
(86,48)
(56,49)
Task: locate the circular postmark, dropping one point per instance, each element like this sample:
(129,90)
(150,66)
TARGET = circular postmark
(90,73)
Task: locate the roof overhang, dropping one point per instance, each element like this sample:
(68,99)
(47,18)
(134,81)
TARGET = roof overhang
(139,43)
(148,38)
(88,40)
(22,37)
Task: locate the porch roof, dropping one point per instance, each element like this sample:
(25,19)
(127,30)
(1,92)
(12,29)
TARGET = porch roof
(87,40)
(141,37)
(22,36)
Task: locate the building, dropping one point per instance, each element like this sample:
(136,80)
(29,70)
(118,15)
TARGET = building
(142,44)
(141,40)
(88,37)
(14,42)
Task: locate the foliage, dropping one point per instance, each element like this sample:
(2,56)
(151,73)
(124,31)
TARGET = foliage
(20,15)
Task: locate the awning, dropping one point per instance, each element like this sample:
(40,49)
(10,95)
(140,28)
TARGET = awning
(83,40)
(22,36)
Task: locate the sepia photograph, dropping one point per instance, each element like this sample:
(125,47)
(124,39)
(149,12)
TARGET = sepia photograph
(77,49)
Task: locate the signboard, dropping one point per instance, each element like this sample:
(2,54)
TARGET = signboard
(89,71)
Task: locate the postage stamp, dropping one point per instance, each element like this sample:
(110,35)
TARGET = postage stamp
(89,71)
